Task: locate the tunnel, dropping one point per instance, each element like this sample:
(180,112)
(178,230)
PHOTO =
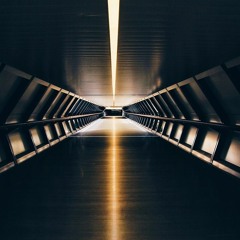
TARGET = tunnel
(120,120)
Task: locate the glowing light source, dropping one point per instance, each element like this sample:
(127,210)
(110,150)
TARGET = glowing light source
(113,16)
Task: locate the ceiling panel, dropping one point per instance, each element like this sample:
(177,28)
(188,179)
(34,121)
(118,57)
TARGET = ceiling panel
(63,42)
(161,42)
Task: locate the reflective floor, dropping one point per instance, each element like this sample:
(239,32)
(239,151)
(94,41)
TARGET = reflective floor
(115,181)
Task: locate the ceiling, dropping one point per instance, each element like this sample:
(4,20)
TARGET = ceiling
(161,42)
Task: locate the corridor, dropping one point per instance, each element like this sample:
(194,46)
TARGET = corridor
(113,180)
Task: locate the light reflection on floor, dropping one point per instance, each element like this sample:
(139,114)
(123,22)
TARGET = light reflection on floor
(113,186)
(116,181)
(115,129)
(123,128)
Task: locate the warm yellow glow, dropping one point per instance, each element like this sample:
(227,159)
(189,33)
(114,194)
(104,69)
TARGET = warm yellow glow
(113,16)
(113,164)
(114,185)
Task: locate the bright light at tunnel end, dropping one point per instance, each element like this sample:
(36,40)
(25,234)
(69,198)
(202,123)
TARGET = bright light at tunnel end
(113,16)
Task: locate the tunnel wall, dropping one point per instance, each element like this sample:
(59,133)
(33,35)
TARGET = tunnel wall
(35,115)
(200,115)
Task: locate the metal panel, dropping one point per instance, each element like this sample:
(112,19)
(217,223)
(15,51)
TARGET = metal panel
(29,108)
(209,104)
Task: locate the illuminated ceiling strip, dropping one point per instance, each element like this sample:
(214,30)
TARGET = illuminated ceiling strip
(113,16)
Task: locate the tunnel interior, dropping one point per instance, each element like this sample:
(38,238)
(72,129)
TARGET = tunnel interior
(159,148)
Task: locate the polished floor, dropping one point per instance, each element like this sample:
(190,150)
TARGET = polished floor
(115,181)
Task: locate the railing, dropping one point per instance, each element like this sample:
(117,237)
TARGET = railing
(201,115)
(216,126)
(35,115)
(21,141)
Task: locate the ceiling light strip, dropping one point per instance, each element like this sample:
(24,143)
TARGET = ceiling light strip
(113,15)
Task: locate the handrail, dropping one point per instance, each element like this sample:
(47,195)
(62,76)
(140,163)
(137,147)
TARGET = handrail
(191,122)
(30,123)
